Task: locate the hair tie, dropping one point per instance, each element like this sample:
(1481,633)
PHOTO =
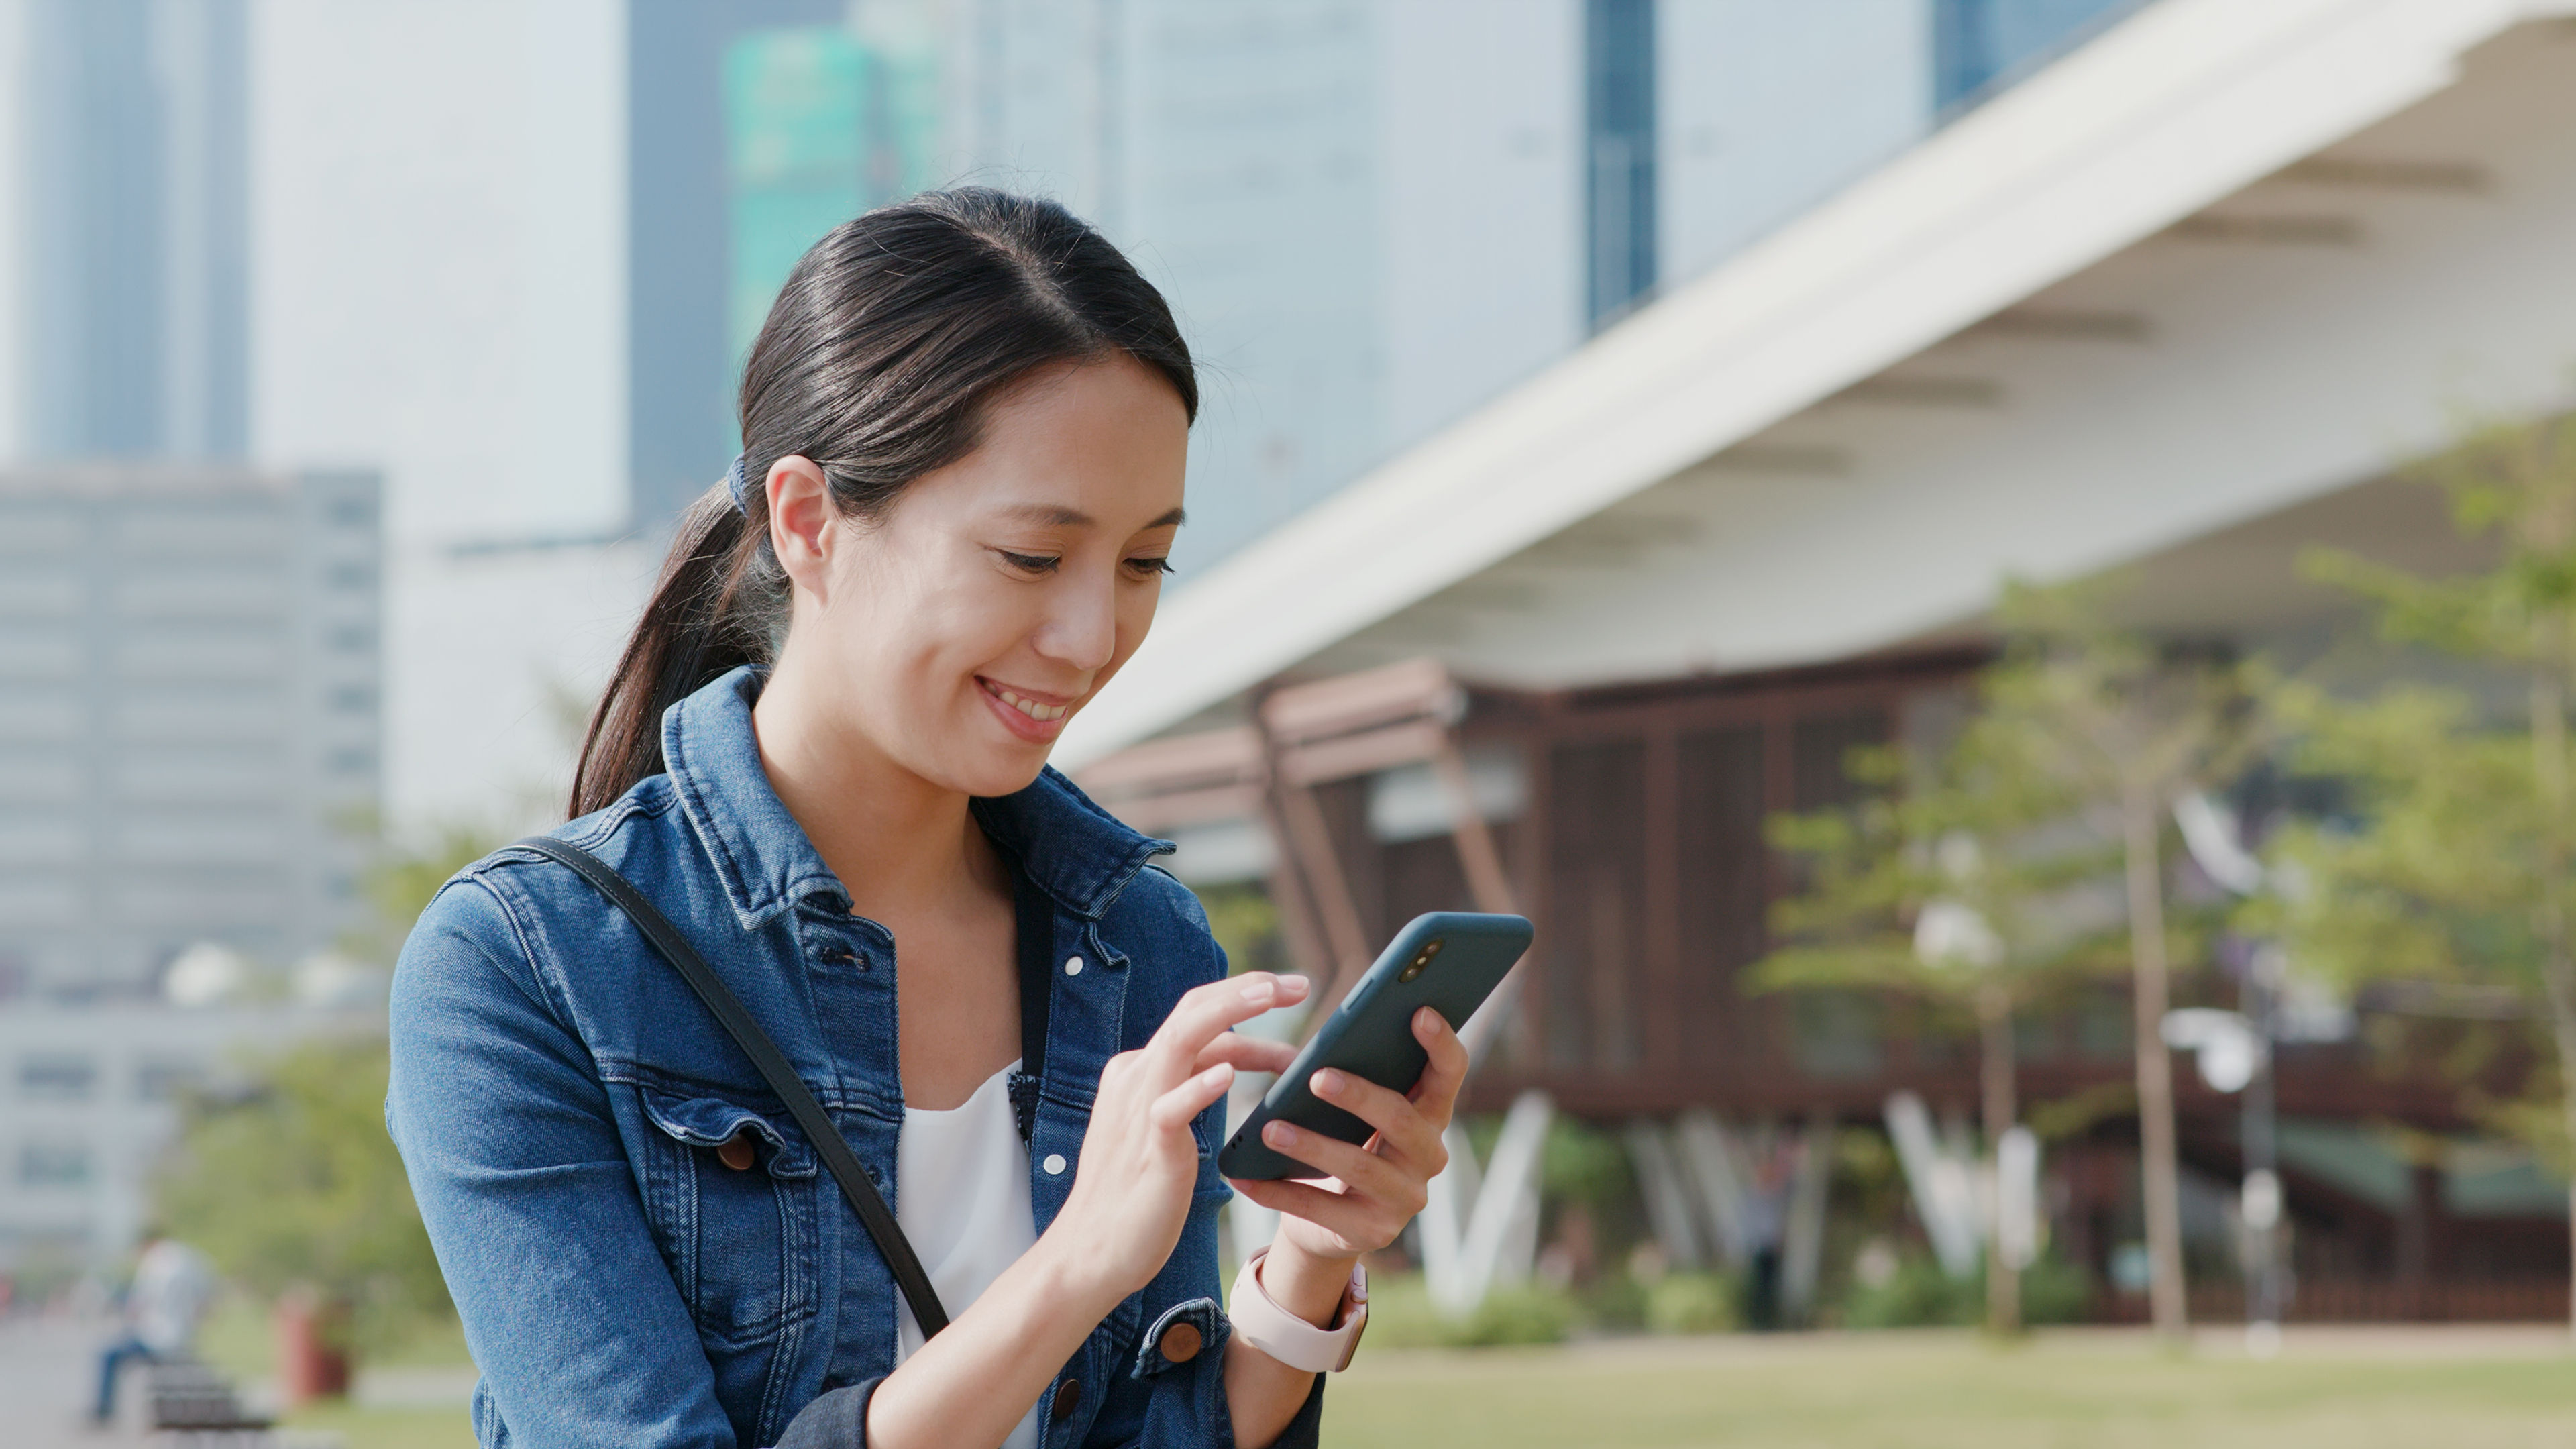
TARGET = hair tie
(738,482)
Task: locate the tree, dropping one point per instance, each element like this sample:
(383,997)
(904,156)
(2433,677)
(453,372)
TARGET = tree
(2460,868)
(293,1184)
(288,1179)
(1950,882)
(2133,726)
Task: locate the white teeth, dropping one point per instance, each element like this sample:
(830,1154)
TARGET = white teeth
(1030,707)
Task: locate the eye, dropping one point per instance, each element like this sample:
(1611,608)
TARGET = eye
(1149,566)
(1034,563)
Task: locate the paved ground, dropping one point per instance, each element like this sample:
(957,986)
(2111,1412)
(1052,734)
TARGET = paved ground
(49,1371)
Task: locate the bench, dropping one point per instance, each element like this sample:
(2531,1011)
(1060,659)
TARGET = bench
(198,1406)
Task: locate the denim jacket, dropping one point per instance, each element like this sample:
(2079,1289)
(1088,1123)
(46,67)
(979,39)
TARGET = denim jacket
(558,1094)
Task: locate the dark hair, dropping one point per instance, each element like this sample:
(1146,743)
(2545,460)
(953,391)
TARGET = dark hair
(877,362)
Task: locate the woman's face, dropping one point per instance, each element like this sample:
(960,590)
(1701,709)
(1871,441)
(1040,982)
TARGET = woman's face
(957,633)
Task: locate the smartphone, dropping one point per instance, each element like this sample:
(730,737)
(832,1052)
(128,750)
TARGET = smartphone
(1449,961)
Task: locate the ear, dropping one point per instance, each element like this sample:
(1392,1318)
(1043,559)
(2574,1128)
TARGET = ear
(801,519)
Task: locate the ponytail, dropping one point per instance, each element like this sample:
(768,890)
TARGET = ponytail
(719,601)
(876,363)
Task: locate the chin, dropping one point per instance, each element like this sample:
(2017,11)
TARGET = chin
(994,769)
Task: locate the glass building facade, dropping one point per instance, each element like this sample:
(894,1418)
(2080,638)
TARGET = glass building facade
(1978,42)
(754,126)
(1619,159)
(132,230)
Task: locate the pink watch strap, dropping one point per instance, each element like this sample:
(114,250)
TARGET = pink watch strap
(1290,1339)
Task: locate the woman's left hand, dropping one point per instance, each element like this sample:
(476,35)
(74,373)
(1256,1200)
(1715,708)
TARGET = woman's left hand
(1377,1187)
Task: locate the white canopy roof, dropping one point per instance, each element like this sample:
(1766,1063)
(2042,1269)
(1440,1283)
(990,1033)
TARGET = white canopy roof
(2224,258)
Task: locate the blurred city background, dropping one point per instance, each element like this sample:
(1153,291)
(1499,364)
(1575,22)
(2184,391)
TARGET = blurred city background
(1998,576)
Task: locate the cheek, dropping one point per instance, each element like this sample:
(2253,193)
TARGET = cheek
(954,629)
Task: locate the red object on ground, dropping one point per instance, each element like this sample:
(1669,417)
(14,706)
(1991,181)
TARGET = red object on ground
(308,1367)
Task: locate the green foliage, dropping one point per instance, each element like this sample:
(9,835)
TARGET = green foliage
(2514,482)
(1401,1316)
(1520,1313)
(1920,1295)
(2007,819)
(1977,877)
(1691,1303)
(2445,880)
(1974,826)
(1917,1295)
(401,881)
(2462,868)
(2055,1291)
(2116,717)
(1246,925)
(1580,1163)
(1614,1300)
(295,1182)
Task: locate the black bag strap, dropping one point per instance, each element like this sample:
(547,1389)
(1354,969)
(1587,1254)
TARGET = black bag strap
(1035,948)
(828,1142)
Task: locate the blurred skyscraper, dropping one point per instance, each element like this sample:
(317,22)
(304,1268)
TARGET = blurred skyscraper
(754,126)
(510,254)
(188,727)
(189,685)
(126,155)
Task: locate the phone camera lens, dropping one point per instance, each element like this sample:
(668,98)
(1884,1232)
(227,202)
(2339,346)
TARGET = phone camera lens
(1421,961)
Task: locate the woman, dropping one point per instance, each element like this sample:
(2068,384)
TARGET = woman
(823,757)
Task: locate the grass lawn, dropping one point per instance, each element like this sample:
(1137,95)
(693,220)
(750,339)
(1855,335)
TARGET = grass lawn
(1936,1390)
(2377,1388)
(383,1428)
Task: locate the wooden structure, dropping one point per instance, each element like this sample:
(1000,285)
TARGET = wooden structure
(1638,850)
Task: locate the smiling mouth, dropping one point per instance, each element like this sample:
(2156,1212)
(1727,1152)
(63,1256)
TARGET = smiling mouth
(1042,713)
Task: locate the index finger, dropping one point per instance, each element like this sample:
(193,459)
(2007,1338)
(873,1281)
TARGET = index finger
(1205,1011)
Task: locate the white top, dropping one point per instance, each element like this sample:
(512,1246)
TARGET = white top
(962,1197)
(172,1288)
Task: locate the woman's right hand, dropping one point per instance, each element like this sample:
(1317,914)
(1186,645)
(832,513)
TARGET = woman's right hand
(1131,1189)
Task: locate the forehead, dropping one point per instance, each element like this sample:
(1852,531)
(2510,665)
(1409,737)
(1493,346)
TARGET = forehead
(1102,443)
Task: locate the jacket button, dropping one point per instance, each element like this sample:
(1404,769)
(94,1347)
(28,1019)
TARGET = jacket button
(1181,1342)
(736,1151)
(1072,965)
(1068,1397)
(1054,1164)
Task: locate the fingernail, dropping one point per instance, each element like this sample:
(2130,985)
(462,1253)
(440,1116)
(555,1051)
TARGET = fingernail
(1256,991)
(1328,1083)
(1278,1134)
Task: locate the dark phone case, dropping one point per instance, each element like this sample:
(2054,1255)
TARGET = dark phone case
(1371,1034)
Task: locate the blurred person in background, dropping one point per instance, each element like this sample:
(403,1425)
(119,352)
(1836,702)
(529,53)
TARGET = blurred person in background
(964,429)
(173,1288)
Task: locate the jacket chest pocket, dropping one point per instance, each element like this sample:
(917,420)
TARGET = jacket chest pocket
(730,1193)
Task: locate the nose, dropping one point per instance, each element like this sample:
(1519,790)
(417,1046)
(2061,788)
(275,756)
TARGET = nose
(1080,630)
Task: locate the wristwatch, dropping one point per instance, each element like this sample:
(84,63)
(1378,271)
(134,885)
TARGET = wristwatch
(1290,1339)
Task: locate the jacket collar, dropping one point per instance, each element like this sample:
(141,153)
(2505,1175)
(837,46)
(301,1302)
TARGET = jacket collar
(1070,848)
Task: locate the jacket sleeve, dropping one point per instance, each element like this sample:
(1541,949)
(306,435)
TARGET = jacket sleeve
(1152,1403)
(530,1200)
(835,1420)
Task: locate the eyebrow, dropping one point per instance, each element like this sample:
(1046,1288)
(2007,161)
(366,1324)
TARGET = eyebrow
(1075,518)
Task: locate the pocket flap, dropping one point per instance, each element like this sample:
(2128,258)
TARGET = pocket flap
(713,1122)
(1204,1329)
